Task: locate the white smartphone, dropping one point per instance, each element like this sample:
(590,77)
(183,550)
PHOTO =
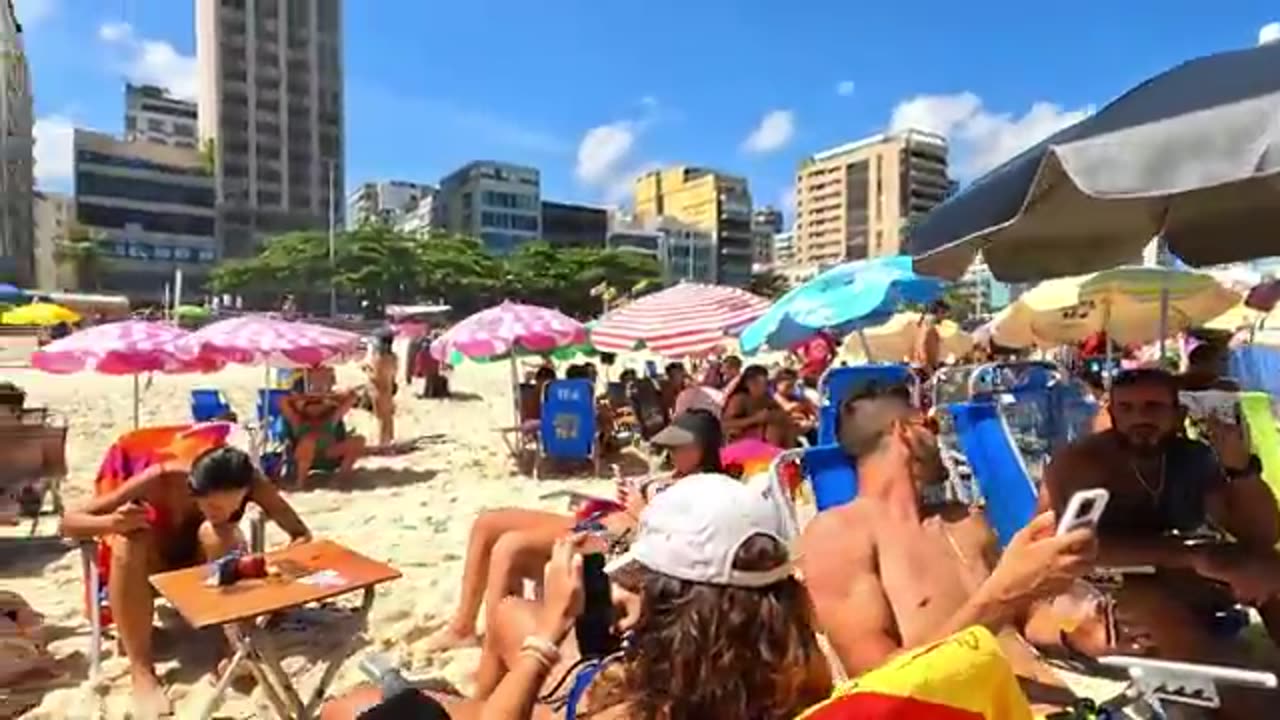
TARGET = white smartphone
(1084,510)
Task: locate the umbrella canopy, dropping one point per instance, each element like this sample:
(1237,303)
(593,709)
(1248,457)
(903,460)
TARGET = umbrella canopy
(39,314)
(121,348)
(255,339)
(845,298)
(10,293)
(509,329)
(1191,155)
(687,319)
(1124,303)
(894,340)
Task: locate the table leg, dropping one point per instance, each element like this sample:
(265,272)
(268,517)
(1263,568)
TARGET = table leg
(220,688)
(317,695)
(271,667)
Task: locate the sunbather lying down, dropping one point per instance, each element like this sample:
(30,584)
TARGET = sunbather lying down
(174,514)
(717,627)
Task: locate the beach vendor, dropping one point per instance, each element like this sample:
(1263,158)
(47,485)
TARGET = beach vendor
(902,566)
(1167,493)
(182,510)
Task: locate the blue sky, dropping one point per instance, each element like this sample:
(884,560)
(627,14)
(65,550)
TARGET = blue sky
(594,91)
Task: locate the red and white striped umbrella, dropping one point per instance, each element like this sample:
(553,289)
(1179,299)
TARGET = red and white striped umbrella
(687,319)
(121,348)
(254,339)
(507,328)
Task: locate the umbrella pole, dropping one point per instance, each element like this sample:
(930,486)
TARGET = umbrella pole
(136,401)
(515,389)
(1106,340)
(866,346)
(1164,317)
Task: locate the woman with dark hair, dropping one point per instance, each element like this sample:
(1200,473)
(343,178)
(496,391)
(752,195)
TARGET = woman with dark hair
(508,545)
(381,369)
(751,410)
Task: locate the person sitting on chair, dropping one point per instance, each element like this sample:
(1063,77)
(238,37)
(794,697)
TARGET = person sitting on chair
(174,514)
(315,421)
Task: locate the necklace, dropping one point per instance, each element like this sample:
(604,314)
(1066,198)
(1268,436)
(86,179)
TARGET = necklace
(1154,492)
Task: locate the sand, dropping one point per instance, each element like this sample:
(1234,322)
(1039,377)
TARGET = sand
(412,511)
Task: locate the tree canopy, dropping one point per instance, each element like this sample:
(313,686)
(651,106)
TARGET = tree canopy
(381,266)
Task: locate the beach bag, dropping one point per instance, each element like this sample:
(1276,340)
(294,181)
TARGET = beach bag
(964,677)
(22,642)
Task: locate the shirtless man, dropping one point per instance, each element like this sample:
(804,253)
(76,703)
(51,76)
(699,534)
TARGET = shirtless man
(1161,482)
(899,568)
(169,516)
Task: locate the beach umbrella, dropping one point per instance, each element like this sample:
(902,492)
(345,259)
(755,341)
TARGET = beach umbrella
(42,314)
(845,298)
(11,294)
(895,340)
(683,320)
(129,347)
(508,331)
(254,339)
(1124,303)
(1191,155)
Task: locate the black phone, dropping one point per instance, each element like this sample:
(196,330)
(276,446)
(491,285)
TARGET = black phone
(594,627)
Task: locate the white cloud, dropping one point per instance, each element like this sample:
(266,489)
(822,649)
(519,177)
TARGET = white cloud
(788,200)
(31,12)
(845,88)
(54,154)
(1269,33)
(773,132)
(980,138)
(603,150)
(649,101)
(151,62)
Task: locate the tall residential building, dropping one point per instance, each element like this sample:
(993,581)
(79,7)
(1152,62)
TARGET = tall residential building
(55,215)
(271,94)
(570,225)
(17,258)
(499,203)
(151,114)
(784,248)
(766,222)
(152,208)
(388,201)
(853,201)
(683,251)
(706,199)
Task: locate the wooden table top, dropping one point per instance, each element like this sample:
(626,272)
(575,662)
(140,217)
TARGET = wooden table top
(204,606)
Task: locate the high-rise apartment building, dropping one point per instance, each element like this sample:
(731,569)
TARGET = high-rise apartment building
(571,225)
(388,201)
(765,223)
(498,203)
(17,238)
(784,248)
(151,114)
(152,208)
(683,251)
(855,200)
(55,215)
(271,94)
(710,200)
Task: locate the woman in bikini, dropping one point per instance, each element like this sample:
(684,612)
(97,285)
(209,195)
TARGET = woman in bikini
(752,412)
(381,370)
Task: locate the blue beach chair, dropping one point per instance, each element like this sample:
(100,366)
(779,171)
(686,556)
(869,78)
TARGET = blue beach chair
(1008,492)
(270,418)
(568,422)
(838,383)
(209,404)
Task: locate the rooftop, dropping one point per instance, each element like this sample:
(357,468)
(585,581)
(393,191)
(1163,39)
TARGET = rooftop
(910,135)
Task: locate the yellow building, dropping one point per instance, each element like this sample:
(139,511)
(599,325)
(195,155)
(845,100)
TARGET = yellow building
(709,200)
(855,201)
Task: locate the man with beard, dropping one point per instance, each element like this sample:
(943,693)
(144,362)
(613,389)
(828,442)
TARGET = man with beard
(901,566)
(1163,487)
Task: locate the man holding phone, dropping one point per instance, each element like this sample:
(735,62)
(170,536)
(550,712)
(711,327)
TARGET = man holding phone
(1164,489)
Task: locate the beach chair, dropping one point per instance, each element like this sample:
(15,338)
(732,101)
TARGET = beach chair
(648,406)
(522,439)
(270,419)
(568,423)
(132,453)
(209,404)
(1008,492)
(840,382)
(33,461)
(1257,367)
(806,481)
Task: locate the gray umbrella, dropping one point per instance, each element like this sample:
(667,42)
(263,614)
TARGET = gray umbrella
(1192,154)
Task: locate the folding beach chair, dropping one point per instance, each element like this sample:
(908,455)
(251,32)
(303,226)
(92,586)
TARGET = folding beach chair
(806,481)
(568,423)
(840,382)
(999,471)
(209,404)
(270,419)
(33,461)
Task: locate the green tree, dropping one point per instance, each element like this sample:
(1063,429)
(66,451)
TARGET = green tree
(769,284)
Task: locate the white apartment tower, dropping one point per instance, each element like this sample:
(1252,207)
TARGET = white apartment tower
(271,103)
(17,233)
(152,115)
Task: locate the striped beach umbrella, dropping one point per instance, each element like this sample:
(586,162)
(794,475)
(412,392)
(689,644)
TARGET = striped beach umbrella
(687,319)
(509,330)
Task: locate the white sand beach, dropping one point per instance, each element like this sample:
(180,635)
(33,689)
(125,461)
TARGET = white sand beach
(412,511)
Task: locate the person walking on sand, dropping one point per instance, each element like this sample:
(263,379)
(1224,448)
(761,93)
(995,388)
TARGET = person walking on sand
(381,369)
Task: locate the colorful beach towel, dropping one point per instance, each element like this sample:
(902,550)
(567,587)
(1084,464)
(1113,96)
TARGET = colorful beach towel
(964,677)
(132,453)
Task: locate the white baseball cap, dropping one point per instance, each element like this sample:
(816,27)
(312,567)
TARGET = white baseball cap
(693,530)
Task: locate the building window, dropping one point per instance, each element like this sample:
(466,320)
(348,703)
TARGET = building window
(89,183)
(101,216)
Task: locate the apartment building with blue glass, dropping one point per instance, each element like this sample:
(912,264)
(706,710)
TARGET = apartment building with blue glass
(498,203)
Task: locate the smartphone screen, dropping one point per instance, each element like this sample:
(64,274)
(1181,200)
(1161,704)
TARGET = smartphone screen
(594,628)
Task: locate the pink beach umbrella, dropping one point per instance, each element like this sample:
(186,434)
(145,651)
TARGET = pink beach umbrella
(254,339)
(687,319)
(130,347)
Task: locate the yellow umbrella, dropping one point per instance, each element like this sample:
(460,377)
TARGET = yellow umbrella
(1241,317)
(39,314)
(894,340)
(1124,302)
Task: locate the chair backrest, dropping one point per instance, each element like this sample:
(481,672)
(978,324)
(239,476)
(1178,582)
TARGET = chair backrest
(832,474)
(1257,367)
(998,468)
(269,402)
(530,403)
(838,383)
(568,429)
(208,404)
